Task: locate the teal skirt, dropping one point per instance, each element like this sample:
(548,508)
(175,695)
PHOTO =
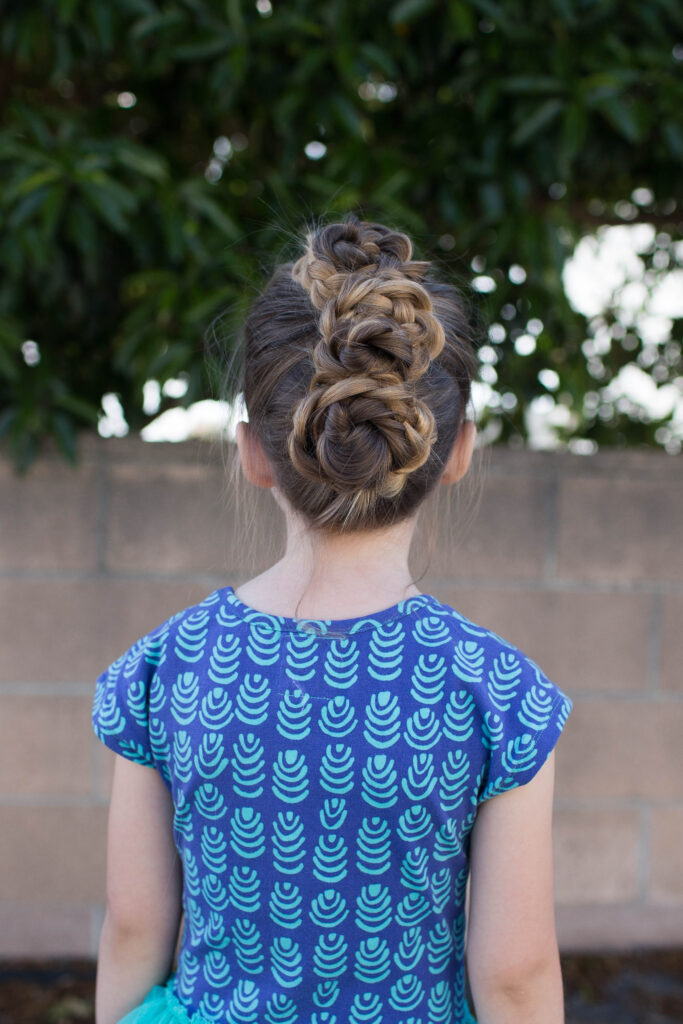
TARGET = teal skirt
(162,1006)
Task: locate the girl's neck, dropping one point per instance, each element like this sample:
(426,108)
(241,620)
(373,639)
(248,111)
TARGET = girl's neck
(321,576)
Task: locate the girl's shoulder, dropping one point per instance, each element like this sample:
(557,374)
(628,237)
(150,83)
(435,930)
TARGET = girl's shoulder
(130,692)
(195,619)
(427,623)
(519,711)
(474,641)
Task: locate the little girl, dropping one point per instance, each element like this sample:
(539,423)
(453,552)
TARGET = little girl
(312,766)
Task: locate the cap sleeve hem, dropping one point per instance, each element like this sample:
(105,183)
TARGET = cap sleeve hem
(129,749)
(524,756)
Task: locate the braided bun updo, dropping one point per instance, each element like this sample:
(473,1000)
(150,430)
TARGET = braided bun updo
(357,374)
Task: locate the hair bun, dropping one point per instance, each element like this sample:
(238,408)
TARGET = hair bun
(352,247)
(361,427)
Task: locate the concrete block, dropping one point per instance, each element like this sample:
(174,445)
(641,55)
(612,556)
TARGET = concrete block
(48,518)
(671,664)
(105,761)
(585,642)
(596,855)
(52,855)
(181,517)
(616,529)
(666,855)
(621,749)
(642,464)
(43,931)
(506,538)
(71,630)
(45,746)
(601,928)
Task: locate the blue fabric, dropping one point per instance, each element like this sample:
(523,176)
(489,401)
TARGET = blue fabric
(326,776)
(161,1006)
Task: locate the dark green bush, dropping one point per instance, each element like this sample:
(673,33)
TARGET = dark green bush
(497,134)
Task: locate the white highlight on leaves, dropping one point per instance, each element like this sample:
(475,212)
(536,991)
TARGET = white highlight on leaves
(205,419)
(517,274)
(385,92)
(222,147)
(642,196)
(487,354)
(525,344)
(483,283)
(549,379)
(31,352)
(175,387)
(315,150)
(214,171)
(151,397)
(113,422)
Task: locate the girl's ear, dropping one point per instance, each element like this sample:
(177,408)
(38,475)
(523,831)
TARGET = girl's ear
(461,455)
(252,457)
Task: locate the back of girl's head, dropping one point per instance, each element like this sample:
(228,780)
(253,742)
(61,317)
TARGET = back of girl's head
(356,374)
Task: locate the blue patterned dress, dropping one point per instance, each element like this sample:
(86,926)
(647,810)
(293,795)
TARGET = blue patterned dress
(325,776)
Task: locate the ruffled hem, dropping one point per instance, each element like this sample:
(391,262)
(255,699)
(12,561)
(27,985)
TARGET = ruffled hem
(162,1006)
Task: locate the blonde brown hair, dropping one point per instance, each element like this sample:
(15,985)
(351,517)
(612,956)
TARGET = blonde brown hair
(356,374)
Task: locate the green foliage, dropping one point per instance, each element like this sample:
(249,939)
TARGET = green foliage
(496,134)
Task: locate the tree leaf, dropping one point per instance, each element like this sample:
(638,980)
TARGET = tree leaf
(7,418)
(674,137)
(36,125)
(200,311)
(79,407)
(66,10)
(10,346)
(462,20)
(31,183)
(380,58)
(409,10)
(156,23)
(523,84)
(213,212)
(491,198)
(65,435)
(347,114)
(574,131)
(82,232)
(620,115)
(28,205)
(393,184)
(51,210)
(101,16)
(23,444)
(536,122)
(142,160)
(105,206)
(203,49)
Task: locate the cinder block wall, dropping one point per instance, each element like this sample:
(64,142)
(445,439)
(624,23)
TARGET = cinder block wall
(577,560)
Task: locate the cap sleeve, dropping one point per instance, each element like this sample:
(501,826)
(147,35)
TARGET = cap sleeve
(120,713)
(524,714)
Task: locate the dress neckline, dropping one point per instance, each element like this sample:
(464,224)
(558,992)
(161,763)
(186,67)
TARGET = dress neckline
(327,627)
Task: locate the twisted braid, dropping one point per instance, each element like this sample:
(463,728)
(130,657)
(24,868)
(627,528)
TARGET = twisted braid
(361,427)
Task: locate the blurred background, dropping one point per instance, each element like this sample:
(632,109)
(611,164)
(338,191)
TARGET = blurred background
(157,158)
